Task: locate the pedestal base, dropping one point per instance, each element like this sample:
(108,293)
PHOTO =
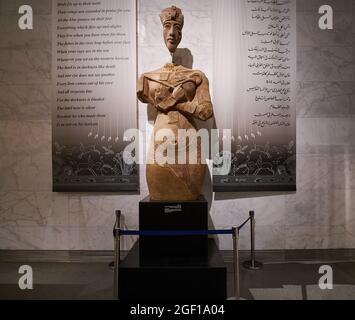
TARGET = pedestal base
(177,279)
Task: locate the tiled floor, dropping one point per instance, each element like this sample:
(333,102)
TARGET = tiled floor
(86,281)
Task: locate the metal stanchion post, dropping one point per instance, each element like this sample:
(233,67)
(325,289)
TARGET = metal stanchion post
(116,263)
(236,263)
(117,225)
(252,264)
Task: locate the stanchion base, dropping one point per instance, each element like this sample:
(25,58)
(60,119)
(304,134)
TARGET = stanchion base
(250,266)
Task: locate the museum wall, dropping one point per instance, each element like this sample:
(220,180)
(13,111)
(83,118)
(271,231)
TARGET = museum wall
(320,215)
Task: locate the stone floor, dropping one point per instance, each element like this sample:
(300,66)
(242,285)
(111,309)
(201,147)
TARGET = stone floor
(88,281)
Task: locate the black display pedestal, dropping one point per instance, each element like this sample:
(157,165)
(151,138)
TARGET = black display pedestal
(173,268)
(173,216)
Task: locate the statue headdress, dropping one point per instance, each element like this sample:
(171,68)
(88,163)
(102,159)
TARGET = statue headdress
(172,14)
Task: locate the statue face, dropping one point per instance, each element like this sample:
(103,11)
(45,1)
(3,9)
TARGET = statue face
(172,35)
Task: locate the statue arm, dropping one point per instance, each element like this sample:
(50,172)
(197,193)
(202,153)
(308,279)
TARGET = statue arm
(198,105)
(143,93)
(201,106)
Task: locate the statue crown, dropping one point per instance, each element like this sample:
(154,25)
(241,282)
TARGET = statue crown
(172,14)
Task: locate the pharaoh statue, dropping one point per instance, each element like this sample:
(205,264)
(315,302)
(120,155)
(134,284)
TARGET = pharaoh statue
(180,95)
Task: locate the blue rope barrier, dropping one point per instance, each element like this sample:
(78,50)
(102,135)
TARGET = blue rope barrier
(174,233)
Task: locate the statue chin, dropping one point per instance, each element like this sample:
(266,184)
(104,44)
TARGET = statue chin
(172,48)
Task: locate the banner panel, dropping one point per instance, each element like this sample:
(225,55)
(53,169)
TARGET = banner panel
(94,100)
(254,94)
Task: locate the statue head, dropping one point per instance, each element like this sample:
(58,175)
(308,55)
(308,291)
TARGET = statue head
(173,22)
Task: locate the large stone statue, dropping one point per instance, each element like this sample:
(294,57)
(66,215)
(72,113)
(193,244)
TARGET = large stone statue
(179,94)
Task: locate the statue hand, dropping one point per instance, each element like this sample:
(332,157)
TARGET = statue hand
(185,92)
(190,89)
(179,93)
(166,104)
(177,96)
